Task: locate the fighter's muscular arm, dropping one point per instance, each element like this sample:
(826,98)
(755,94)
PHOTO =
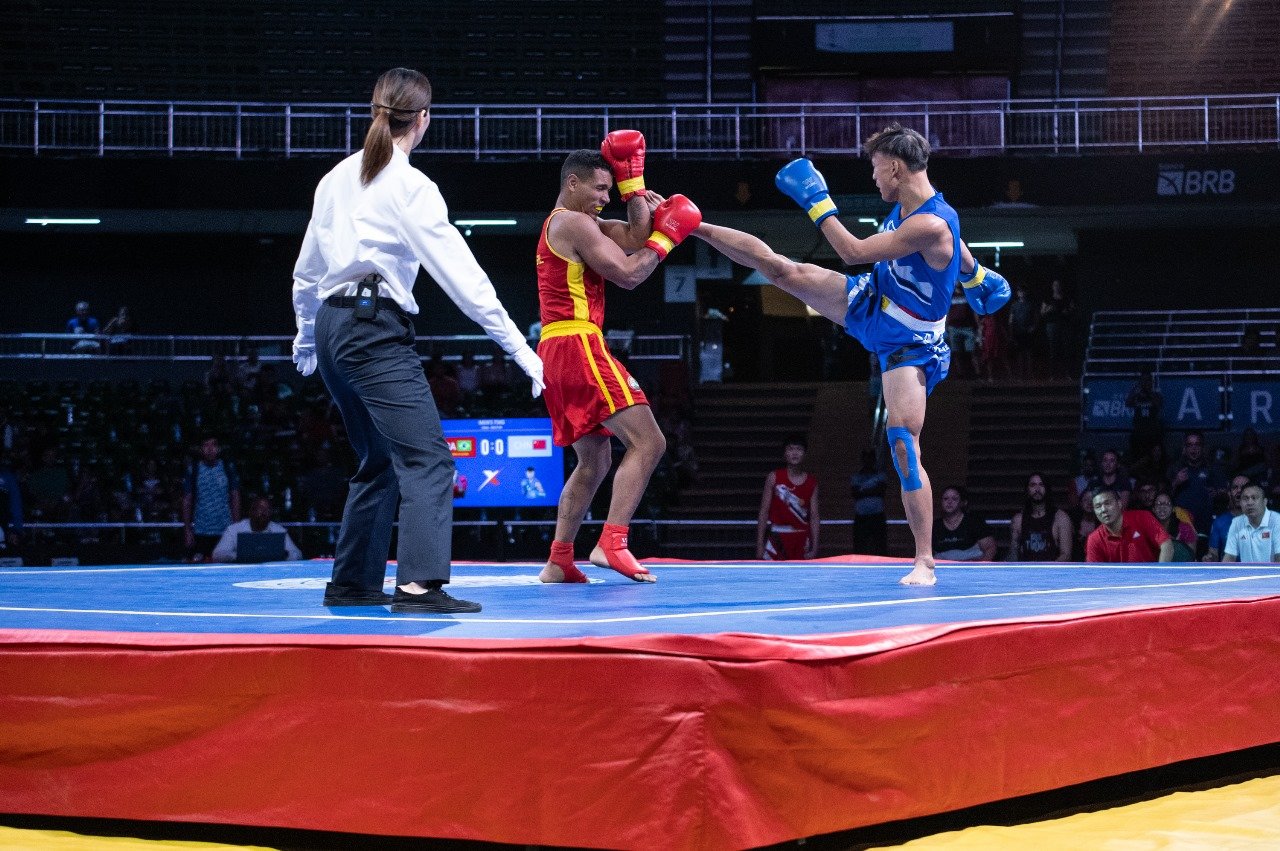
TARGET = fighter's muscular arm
(925,233)
(578,236)
(631,234)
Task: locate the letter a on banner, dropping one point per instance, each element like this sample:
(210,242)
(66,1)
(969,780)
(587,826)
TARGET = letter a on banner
(1190,404)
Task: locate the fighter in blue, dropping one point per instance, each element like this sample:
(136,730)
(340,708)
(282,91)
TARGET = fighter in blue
(898,309)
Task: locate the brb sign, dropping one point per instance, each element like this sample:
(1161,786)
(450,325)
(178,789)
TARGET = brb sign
(1188,403)
(1179,181)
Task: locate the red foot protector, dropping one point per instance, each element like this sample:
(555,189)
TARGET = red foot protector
(562,557)
(613,543)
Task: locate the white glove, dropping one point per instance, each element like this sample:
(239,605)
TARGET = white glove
(532,366)
(304,354)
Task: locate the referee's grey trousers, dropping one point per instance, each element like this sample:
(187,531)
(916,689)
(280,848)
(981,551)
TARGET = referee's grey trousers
(376,379)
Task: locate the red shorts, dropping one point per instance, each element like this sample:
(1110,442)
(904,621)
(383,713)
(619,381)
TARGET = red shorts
(786,546)
(585,384)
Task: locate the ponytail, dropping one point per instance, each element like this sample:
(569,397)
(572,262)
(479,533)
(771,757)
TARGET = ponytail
(377,146)
(398,96)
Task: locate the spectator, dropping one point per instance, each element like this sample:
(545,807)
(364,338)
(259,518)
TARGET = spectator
(1251,458)
(10,505)
(1112,476)
(1056,313)
(678,429)
(1040,531)
(1078,494)
(1125,536)
(49,487)
(444,389)
(870,529)
(495,376)
(1222,523)
(218,379)
(959,535)
(1022,331)
(88,503)
(994,334)
(8,431)
(151,491)
(119,329)
(315,428)
(1182,532)
(82,323)
(1144,495)
(468,376)
(323,488)
(247,373)
(210,499)
(1151,466)
(1195,481)
(1254,535)
(1148,421)
(788,523)
(258,521)
(962,335)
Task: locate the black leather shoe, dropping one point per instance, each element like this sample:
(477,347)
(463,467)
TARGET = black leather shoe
(346,595)
(435,600)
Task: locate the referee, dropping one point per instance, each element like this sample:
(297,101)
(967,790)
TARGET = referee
(375,219)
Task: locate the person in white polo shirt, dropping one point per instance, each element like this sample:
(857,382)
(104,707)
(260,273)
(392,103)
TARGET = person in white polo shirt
(1254,536)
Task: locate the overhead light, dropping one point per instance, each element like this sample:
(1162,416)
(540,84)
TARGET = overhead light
(485,223)
(43,222)
(996,245)
(867,220)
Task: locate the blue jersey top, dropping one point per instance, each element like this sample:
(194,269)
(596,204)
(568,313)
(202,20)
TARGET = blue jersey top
(910,282)
(898,310)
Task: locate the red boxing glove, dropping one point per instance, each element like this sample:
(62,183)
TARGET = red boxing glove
(623,150)
(675,218)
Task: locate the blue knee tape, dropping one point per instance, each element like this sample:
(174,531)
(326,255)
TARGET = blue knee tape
(911,478)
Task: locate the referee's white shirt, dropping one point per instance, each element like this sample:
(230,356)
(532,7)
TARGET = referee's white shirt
(390,227)
(1259,543)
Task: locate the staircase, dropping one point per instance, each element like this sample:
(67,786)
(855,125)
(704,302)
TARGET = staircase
(1064,49)
(1016,430)
(707,51)
(738,431)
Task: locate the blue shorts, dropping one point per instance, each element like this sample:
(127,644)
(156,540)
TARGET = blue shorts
(893,343)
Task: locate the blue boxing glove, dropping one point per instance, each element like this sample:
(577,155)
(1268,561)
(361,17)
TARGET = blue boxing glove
(985,290)
(807,187)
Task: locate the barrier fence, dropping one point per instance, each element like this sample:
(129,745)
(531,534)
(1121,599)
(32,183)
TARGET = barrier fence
(143,347)
(958,128)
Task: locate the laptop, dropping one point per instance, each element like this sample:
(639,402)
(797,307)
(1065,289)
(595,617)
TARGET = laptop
(257,547)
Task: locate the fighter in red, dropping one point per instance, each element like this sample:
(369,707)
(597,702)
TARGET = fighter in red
(589,395)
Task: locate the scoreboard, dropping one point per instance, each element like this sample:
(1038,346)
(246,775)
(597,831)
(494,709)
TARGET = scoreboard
(504,463)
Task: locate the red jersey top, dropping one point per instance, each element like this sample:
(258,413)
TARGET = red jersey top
(567,289)
(1139,540)
(790,503)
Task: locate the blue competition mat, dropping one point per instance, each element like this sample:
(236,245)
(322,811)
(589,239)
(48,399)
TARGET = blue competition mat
(750,597)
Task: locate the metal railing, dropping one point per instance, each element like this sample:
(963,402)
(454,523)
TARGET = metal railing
(1184,342)
(172,348)
(728,131)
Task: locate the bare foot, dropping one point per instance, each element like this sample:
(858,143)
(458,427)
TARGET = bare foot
(623,562)
(921,574)
(556,573)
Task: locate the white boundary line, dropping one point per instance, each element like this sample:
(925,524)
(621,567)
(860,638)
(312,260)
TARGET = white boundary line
(764,565)
(659,617)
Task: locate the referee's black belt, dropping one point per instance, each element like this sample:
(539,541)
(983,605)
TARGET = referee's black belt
(350,301)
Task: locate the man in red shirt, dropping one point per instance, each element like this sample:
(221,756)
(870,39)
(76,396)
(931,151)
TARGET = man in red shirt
(1125,536)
